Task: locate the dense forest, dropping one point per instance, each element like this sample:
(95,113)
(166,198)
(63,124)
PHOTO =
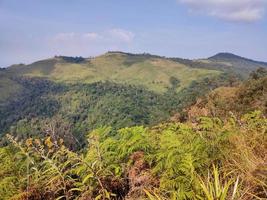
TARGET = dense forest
(104,139)
(81,107)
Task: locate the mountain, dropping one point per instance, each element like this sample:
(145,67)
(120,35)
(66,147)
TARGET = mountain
(225,62)
(117,89)
(229,57)
(152,72)
(149,71)
(225,133)
(240,64)
(101,128)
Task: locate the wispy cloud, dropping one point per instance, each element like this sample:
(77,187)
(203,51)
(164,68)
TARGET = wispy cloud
(115,35)
(231,10)
(71,43)
(92,36)
(123,35)
(70,36)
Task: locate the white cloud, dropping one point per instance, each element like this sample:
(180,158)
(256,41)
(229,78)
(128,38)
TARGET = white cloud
(231,10)
(76,36)
(116,35)
(91,43)
(126,36)
(64,36)
(92,36)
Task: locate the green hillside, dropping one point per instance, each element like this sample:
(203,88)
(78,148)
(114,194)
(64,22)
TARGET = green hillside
(126,126)
(152,72)
(225,62)
(117,89)
(8,87)
(218,156)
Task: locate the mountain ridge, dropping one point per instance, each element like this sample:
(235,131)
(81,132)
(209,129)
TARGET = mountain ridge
(118,89)
(227,55)
(220,55)
(155,73)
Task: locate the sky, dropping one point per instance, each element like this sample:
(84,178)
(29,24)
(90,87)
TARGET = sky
(31,30)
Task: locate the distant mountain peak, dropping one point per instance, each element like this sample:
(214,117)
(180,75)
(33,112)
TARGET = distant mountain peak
(233,58)
(226,55)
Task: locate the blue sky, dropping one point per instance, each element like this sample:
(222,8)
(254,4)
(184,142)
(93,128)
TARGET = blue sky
(36,29)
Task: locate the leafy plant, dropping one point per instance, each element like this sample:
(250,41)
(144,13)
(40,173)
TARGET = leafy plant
(213,188)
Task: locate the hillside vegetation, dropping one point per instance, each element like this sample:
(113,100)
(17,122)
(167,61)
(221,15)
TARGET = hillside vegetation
(226,62)
(151,72)
(238,100)
(117,89)
(205,158)
(127,126)
(84,107)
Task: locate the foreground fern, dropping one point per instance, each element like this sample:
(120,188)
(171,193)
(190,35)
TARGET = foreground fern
(211,189)
(169,161)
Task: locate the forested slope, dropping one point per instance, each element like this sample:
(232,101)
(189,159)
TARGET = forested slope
(236,100)
(218,156)
(127,126)
(117,89)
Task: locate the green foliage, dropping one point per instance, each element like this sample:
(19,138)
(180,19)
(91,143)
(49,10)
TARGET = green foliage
(213,188)
(173,160)
(71,59)
(54,172)
(179,154)
(144,70)
(235,100)
(252,94)
(12,170)
(84,107)
(8,88)
(116,89)
(36,101)
(196,89)
(132,140)
(174,82)
(259,73)
(49,155)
